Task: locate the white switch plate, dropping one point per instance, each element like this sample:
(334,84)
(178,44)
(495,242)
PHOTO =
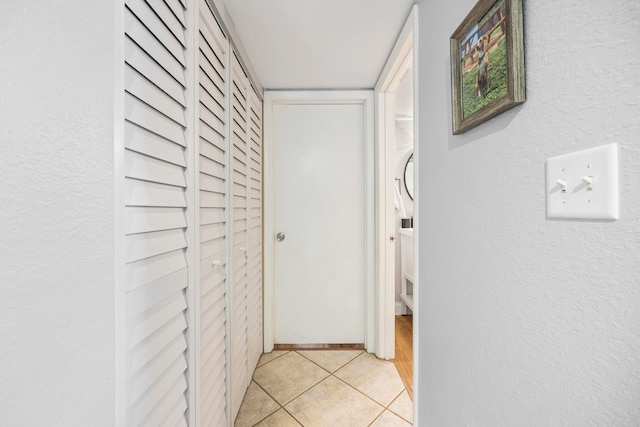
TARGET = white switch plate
(578,202)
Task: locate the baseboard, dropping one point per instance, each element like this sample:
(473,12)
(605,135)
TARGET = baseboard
(318,347)
(400,308)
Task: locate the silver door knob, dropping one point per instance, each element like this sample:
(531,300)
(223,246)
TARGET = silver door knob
(280,237)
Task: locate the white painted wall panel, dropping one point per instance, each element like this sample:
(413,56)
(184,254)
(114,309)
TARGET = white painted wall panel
(526,321)
(56,210)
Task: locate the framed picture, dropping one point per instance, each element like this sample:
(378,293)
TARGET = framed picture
(487,63)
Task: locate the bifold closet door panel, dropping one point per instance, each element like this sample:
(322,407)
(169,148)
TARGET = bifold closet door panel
(254,219)
(212,90)
(155,225)
(240,375)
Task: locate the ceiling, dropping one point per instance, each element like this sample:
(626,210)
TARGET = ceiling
(318,44)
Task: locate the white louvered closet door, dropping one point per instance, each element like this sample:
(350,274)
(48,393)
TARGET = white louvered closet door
(213,87)
(254,268)
(156,272)
(189,313)
(239,144)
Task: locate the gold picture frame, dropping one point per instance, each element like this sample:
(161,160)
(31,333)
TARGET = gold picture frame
(487,63)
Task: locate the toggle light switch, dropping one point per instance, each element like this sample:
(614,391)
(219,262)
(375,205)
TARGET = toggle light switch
(563,184)
(588,180)
(584,184)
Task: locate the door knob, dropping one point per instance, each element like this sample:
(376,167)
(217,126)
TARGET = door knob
(280,237)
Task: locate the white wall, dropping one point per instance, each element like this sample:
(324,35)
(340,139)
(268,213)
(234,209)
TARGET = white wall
(526,321)
(56,212)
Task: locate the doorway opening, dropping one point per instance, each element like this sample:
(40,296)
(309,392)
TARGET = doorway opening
(404,196)
(397,160)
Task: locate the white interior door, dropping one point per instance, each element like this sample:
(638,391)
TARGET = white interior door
(319,207)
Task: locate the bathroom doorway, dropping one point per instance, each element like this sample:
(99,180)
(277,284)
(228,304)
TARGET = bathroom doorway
(404,228)
(397,160)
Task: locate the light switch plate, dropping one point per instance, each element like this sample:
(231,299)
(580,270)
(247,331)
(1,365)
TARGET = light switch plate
(574,171)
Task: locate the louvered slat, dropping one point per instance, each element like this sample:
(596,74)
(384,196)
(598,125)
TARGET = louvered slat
(152,145)
(211,215)
(168,18)
(140,61)
(145,219)
(146,193)
(212,147)
(152,119)
(211,168)
(143,89)
(145,13)
(156,270)
(143,167)
(147,42)
(146,245)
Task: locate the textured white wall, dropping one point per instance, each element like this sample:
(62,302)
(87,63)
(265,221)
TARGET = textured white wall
(526,321)
(56,214)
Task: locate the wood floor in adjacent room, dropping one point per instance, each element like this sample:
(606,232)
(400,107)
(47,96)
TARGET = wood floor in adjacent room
(404,351)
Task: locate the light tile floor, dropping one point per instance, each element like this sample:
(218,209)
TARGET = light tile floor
(325,388)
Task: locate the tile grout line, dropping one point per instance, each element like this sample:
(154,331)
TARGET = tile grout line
(265,391)
(275,358)
(320,366)
(331,374)
(394,412)
(282,406)
(385,408)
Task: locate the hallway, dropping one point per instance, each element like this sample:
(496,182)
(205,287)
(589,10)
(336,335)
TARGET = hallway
(325,387)
(132,232)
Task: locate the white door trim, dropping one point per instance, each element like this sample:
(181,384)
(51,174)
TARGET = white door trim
(406,45)
(272,98)
(399,62)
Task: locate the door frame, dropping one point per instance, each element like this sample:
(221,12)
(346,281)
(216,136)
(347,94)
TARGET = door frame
(402,58)
(292,97)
